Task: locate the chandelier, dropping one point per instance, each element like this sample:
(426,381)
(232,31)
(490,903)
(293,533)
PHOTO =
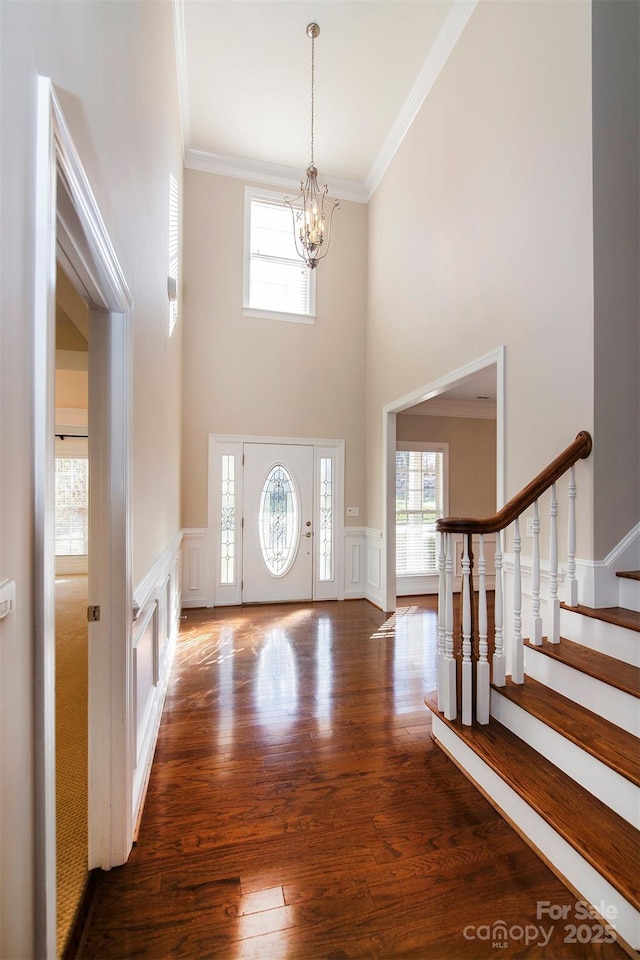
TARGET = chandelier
(311,223)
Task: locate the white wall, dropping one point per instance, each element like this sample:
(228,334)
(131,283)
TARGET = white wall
(112,65)
(481,235)
(247,376)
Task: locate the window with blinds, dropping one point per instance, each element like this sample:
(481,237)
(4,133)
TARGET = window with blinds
(277,283)
(420,501)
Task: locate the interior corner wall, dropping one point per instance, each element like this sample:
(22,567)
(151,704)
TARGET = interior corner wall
(480,235)
(251,377)
(111,66)
(616,242)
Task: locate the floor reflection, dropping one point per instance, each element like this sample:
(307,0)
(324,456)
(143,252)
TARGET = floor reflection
(276,689)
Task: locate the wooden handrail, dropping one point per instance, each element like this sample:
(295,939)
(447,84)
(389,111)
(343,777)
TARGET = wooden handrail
(578,450)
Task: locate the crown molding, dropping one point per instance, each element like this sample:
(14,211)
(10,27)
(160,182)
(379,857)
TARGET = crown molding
(242,168)
(181,74)
(438,55)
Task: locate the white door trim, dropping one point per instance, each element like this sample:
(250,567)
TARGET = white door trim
(221,443)
(389,413)
(68,223)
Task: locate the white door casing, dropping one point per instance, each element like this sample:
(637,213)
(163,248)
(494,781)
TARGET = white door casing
(277,547)
(227,502)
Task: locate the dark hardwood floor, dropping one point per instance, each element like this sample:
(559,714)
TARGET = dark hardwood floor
(298,808)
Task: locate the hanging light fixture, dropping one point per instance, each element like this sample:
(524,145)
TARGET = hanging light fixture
(311,223)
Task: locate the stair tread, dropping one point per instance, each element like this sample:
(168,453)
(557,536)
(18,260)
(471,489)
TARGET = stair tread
(629,574)
(613,746)
(623,676)
(603,838)
(619,616)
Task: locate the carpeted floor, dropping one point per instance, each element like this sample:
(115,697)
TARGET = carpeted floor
(71,748)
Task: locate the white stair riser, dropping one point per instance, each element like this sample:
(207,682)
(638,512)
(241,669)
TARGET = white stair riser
(576,871)
(598,697)
(629,591)
(610,787)
(615,641)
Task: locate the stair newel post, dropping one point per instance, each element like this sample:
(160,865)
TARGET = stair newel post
(536,633)
(482,668)
(449,672)
(467,666)
(572,583)
(499,668)
(517,665)
(554,604)
(442,618)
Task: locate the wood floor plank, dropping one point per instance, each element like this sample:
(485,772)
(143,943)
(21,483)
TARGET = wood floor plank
(314,818)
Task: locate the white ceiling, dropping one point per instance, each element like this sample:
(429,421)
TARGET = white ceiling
(244,70)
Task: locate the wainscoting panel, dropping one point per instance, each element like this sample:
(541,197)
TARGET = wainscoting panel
(355,546)
(157,605)
(196,568)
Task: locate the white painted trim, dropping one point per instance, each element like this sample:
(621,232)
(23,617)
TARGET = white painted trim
(244,168)
(212,591)
(439,53)
(495,358)
(534,829)
(161,568)
(71,219)
(197,578)
(598,585)
(257,171)
(182,79)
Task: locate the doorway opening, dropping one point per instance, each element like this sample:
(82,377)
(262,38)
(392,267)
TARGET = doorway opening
(70,231)
(462,414)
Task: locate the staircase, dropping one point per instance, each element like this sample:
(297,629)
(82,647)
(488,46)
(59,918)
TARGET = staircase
(560,757)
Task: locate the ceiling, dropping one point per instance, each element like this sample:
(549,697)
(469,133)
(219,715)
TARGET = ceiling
(244,77)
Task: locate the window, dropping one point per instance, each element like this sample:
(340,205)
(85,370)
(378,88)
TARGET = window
(71,506)
(174,232)
(277,283)
(420,501)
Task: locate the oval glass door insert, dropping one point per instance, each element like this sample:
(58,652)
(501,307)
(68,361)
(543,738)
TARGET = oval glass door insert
(279,521)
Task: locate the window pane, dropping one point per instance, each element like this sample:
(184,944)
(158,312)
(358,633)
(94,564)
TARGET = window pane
(71,506)
(278,521)
(228,520)
(326,518)
(278,279)
(419,503)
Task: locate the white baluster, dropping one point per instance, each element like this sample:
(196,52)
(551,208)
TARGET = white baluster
(482,670)
(517,664)
(467,667)
(442,618)
(536,633)
(554,627)
(572,583)
(449,678)
(499,669)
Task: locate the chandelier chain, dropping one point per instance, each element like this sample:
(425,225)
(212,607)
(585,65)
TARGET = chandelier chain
(313,79)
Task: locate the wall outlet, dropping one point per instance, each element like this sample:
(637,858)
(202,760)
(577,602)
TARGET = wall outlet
(353,511)
(529,526)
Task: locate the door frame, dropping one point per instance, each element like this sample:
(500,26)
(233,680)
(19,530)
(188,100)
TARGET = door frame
(389,413)
(68,226)
(219,444)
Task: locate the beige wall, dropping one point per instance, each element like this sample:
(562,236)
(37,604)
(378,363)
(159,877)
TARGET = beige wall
(112,66)
(472,458)
(267,377)
(480,235)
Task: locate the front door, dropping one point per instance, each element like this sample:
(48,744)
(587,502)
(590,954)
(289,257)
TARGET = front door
(277,533)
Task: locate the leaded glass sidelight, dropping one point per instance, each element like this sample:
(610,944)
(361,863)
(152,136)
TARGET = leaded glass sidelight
(326,518)
(279,521)
(228,520)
